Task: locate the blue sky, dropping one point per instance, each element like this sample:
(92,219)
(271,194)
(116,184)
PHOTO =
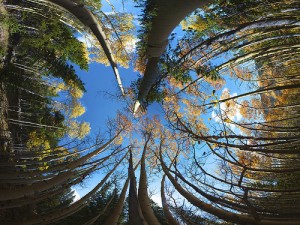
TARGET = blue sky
(100,83)
(99,106)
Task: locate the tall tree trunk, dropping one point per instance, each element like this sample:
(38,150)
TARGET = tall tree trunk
(93,220)
(115,214)
(168,214)
(89,20)
(62,213)
(222,214)
(5,135)
(169,13)
(59,179)
(135,212)
(143,191)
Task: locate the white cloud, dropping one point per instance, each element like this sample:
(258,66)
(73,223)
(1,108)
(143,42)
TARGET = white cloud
(225,90)
(157,199)
(215,117)
(238,116)
(130,46)
(234,114)
(87,40)
(109,13)
(222,106)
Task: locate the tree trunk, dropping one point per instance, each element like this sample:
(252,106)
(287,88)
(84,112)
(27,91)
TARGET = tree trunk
(59,179)
(62,213)
(89,20)
(117,210)
(168,214)
(135,212)
(143,191)
(169,15)
(93,220)
(222,214)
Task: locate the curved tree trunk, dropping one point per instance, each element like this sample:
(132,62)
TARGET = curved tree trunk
(62,213)
(117,210)
(41,197)
(59,179)
(19,203)
(89,20)
(169,15)
(93,220)
(143,191)
(135,212)
(222,214)
(168,214)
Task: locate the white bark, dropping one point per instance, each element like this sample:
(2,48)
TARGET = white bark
(143,197)
(89,20)
(169,15)
(135,212)
(62,213)
(222,214)
(59,179)
(168,214)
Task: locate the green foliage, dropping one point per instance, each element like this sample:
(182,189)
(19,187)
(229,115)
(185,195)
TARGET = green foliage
(42,50)
(156,93)
(94,207)
(54,38)
(8,22)
(159,213)
(208,72)
(200,24)
(53,46)
(45,51)
(93,4)
(149,10)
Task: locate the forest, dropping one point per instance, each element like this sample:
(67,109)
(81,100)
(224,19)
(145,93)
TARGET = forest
(204,120)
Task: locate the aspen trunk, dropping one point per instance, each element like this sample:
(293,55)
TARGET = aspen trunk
(169,15)
(117,210)
(89,20)
(135,212)
(222,214)
(143,192)
(168,214)
(93,220)
(59,179)
(62,213)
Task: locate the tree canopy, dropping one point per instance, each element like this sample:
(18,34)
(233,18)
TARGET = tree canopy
(222,149)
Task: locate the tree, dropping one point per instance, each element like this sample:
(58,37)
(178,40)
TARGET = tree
(159,17)
(90,20)
(224,149)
